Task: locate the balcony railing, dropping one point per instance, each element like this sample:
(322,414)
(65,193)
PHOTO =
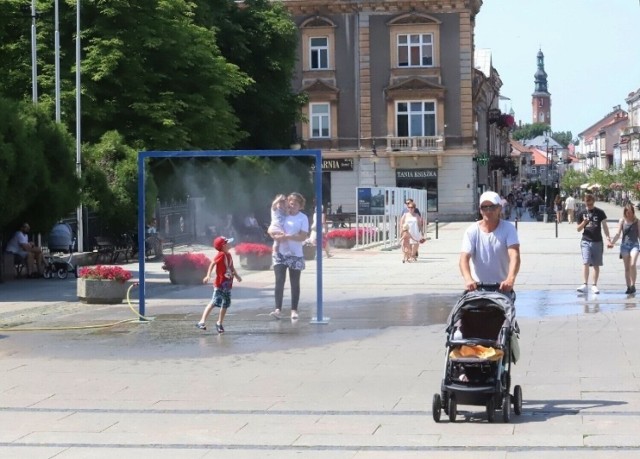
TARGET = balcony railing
(423,144)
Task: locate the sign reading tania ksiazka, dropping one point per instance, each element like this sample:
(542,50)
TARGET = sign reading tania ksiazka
(416,173)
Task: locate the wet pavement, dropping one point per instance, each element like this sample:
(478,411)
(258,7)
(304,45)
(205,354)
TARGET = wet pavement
(359,386)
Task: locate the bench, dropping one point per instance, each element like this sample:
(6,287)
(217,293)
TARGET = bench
(12,263)
(108,251)
(341,220)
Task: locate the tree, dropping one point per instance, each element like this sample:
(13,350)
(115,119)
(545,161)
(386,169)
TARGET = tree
(38,181)
(572,179)
(564,138)
(111,183)
(260,38)
(529,131)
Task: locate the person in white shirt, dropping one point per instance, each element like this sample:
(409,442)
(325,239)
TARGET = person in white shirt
(289,255)
(492,246)
(570,207)
(20,246)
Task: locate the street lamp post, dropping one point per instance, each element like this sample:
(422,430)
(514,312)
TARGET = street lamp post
(374,160)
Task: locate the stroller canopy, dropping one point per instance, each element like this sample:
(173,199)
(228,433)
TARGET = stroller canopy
(478,299)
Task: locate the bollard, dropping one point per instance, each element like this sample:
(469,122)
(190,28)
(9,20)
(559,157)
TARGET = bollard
(436,228)
(516,223)
(556,228)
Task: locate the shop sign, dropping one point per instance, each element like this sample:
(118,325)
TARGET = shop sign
(416,173)
(333,165)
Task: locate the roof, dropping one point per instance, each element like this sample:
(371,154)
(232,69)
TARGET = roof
(541,142)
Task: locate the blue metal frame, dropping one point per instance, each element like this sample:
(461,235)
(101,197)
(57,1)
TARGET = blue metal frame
(317,154)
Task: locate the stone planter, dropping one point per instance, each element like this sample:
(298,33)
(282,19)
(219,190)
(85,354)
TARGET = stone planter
(187,276)
(94,291)
(253,262)
(342,242)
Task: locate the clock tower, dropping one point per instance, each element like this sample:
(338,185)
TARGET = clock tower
(541,98)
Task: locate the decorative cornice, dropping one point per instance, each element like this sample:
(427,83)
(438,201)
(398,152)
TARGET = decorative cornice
(309,7)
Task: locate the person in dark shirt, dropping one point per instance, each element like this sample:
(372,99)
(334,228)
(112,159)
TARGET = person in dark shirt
(591,222)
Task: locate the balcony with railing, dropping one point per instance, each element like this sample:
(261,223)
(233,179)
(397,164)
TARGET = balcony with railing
(427,144)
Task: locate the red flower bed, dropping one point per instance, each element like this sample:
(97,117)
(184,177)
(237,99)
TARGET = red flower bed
(186,261)
(251,248)
(100,272)
(348,233)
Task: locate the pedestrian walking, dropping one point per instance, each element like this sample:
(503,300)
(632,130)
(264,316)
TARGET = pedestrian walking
(592,222)
(492,246)
(628,233)
(222,283)
(570,207)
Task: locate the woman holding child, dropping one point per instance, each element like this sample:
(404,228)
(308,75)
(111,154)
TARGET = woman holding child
(288,254)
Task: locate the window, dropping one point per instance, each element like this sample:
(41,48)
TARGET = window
(415,50)
(319,53)
(319,121)
(416,119)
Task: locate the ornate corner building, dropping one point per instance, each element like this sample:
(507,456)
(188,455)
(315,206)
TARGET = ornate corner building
(390,97)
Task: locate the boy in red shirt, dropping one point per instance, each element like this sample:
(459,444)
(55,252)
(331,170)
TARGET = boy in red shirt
(225,272)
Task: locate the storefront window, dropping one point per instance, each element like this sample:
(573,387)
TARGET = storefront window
(421,179)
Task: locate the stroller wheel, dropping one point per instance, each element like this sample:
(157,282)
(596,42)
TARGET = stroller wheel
(517,400)
(47,273)
(453,409)
(506,408)
(491,410)
(436,407)
(62,273)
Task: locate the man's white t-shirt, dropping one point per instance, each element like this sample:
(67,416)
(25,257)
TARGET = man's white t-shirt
(489,251)
(15,243)
(570,203)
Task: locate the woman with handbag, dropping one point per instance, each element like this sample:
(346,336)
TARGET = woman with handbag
(628,231)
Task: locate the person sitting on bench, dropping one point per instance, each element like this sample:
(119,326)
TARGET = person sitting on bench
(22,249)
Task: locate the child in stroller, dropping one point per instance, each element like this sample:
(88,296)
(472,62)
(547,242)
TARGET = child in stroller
(481,346)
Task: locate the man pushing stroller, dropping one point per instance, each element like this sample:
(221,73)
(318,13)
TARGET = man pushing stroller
(492,246)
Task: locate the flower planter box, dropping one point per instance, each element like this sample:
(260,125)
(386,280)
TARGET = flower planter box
(187,276)
(342,242)
(101,291)
(254,262)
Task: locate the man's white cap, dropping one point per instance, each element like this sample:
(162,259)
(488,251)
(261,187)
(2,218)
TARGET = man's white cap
(491,196)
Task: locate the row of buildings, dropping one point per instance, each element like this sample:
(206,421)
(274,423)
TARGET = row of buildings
(396,99)
(400,97)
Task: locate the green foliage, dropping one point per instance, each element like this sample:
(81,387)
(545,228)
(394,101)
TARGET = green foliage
(260,38)
(111,183)
(572,179)
(564,138)
(38,181)
(529,131)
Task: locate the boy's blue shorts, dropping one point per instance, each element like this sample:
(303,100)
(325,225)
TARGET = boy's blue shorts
(221,297)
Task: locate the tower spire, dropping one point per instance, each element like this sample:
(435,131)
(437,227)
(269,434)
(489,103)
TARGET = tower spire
(541,98)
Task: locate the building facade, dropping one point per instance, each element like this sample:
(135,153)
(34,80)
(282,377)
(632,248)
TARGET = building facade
(390,98)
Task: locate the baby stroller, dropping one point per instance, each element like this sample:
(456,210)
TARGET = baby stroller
(482,343)
(58,262)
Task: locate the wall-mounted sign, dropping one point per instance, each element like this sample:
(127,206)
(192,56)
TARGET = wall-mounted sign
(333,165)
(416,173)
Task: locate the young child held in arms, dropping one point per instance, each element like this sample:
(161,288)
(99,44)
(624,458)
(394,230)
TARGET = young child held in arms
(223,281)
(278,214)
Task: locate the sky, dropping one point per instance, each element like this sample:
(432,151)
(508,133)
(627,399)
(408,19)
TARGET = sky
(591,55)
